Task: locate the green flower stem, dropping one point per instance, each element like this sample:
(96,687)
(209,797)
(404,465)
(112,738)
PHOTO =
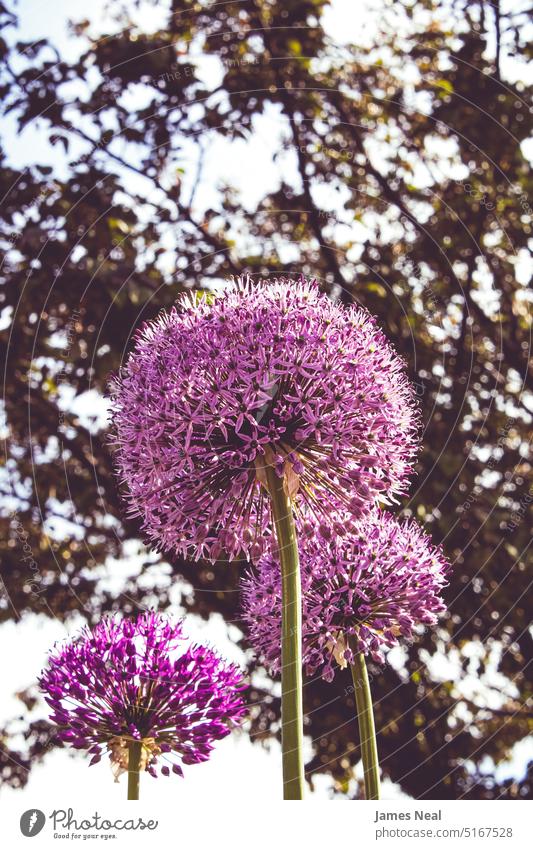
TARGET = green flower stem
(291,639)
(134,767)
(367,730)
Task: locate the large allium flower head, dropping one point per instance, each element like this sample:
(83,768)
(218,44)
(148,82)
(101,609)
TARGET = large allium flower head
(141,680)
(361,592)
(269,372)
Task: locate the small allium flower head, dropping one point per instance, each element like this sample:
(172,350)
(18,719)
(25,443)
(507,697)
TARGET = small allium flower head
(138,680)
(269,372)
(363,591)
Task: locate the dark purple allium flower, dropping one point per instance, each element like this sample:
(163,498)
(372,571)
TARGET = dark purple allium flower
(366,589)
(271,372)
(136,680)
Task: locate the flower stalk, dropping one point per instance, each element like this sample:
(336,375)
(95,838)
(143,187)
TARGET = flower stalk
(134,768)
(367,730)
(291,638)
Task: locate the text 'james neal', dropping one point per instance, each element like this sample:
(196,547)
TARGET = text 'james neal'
(408,815)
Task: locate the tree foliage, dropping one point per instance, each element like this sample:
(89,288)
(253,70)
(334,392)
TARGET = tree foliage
(401,183)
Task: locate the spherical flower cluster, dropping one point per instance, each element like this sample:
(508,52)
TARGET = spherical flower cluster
(272,372)
(138,680)
(360,593)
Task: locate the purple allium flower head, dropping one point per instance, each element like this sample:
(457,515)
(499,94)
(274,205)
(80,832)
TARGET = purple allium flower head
(363,590)
(272,371)
(139,680)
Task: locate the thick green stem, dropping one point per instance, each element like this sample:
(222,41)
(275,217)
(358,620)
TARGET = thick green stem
(367,730)
(134,766)
(291,639)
